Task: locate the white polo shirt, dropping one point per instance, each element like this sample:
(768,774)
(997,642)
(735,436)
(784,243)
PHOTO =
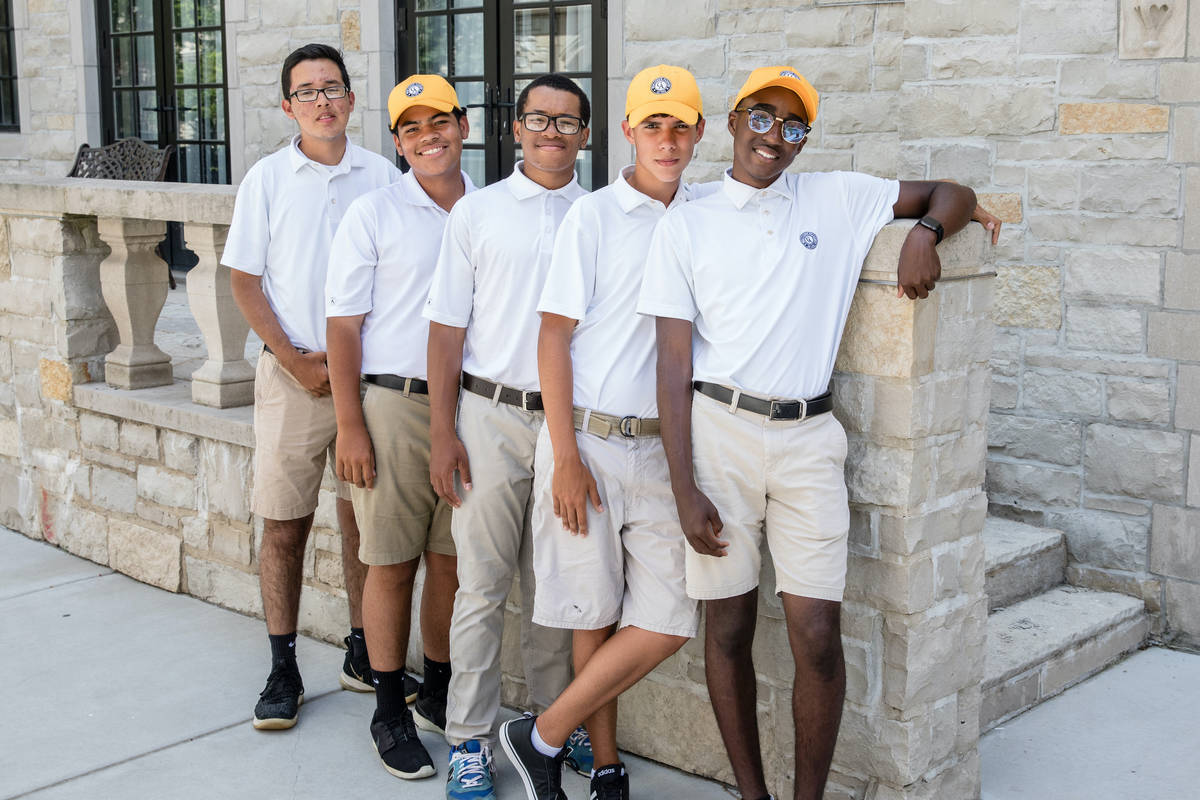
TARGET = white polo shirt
(381,263)
(494,258)
(288,207)
(595,275)
(767,275)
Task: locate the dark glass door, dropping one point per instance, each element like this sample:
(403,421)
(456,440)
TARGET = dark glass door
(490,51)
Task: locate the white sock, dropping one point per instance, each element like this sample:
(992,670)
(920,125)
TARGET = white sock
(540,745)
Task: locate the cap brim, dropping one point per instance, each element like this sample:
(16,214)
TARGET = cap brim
(783,83)
(436,105)
(681,111)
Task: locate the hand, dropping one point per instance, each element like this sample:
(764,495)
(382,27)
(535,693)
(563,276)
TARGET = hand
(355,457)
(701,523)
(572,487)
(989,221)
(310,370)
(448,454)
(919,267)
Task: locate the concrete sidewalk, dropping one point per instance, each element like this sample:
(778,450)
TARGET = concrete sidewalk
(110,688)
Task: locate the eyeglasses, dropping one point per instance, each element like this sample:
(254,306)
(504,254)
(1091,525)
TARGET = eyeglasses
(310,95)
(563,123)
(760,121)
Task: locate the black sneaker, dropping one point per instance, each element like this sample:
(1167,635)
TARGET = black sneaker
(411,688)
(356,670)
(279,704)
(542,775)
(429,712)
(610,783)
(398,747)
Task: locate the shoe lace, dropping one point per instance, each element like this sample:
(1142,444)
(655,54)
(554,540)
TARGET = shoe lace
(282,683)
(579,738)
(471,769)
(608,790)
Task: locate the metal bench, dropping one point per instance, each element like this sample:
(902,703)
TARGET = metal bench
(123,160)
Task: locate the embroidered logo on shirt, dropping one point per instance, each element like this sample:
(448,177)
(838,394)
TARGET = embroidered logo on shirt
(414,89)
(809,240)
(660,86)
(787,73)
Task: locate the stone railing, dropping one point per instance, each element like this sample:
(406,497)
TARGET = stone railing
(157,486)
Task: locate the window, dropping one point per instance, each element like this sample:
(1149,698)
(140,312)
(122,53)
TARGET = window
(10,120)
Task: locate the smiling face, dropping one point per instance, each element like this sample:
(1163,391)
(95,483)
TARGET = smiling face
(760,158)
(323,119)
(431,140)
(664,145)
(549,155)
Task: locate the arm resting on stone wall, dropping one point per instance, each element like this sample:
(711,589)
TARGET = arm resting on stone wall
(950,204)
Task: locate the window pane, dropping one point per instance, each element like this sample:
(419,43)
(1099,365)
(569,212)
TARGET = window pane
(212,114)
(531,40)
(470,92)
(4,19)
(222,171)
(145,60)
(583,168)
(185,58)
(431,46)
(122,61)
(212,68)
(208,13)
(467,3)
(122,20)
(573,39)
(8,110)
(189,162)
(474,164)
(6,65)
(468,44)
(143,15)
(147,119)
(184,13)
(187,113)
(430,5)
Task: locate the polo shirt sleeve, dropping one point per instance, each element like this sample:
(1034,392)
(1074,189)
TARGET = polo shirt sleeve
(869,202)
(452,292)
(249,237)
(350,277)
(571,281)
(667,286)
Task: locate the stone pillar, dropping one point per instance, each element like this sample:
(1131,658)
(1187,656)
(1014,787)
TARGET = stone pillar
(133,280)
(912,390)
(226,379)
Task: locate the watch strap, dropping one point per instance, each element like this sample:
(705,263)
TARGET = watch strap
(933,225)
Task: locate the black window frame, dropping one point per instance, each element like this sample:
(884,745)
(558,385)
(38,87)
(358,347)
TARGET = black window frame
(10,101)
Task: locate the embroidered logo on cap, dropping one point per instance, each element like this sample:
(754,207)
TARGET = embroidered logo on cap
(414,89)
(660,86)
(787,73)
(809,240)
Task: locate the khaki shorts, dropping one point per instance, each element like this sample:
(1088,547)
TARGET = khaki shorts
(294,432)
(402,516)
(630,566)
(785,476)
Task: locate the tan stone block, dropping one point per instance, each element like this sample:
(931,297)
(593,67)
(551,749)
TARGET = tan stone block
(1175,542)
(232,542)
(1074,118)
(351,31)
(145,554)
(1131,190)
(930,656)
(967,58)
(1115,330)
(139,440)
(224,585)
(195,533)
(85,533)
(1093,655)
(689,19)
(1054,187)
(878,339)
(1028,297)
(1133,584)
(983,109)
(1183,609)
(1028,485)
(1181,287)
(1113,276)
(1003,700)
(56,380)
(1085,26)
(1193,46)
(114,490)
(166,488)
(1174,335)
(1179,82)
(1134,463)
(1185,145)
(323,614)
(953,18)
(1193,493)
(1152,30)
(1102,79)
(1005,205)
(892,583)
(824,27)
(225,478)
(1191,224)
(1133,401)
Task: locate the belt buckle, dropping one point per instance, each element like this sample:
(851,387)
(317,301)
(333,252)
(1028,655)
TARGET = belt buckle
(776,409)
(525,400)
(625,426)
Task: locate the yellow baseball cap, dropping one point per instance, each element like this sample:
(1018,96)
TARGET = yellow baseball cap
(663,90)
(784,77)
(421,90)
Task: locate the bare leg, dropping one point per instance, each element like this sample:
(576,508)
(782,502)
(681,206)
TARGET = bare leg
(386,609)
(602,724)
(281,571)
(732,686)
(353,571)
(814,631)
(437,604)
(623,660)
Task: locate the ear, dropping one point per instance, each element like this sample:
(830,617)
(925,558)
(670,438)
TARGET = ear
(732,122)
(286,105)
(464,127)
(517,130)
(583,137)
(699,129)
(627,130)
(396,141)
(350,97)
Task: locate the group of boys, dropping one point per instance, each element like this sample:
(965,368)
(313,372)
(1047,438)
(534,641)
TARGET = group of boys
(584,388)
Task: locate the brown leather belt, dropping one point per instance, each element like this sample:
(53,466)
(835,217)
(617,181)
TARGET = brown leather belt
(406,385)
(604,425)
(496,392)
(771,409)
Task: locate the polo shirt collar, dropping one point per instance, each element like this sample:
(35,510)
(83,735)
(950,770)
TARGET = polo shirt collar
(629,198)
(351,158)
(415,195)
(524,188)
(740,193)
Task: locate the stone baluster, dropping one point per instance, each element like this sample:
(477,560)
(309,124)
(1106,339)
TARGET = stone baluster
(226,379)
(133,281)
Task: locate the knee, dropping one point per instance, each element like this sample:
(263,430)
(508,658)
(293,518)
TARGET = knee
(817,645)
(730,641)
(395,576)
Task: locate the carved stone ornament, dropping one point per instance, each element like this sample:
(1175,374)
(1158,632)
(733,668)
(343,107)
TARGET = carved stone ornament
(1153,28)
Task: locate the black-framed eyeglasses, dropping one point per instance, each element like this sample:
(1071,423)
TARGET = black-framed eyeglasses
(793,130)
(310,95)
(565,124)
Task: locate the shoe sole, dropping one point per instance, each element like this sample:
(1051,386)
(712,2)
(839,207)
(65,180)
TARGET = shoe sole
(424,772)
(409,699)
(511,751)
(278,723)
(354,684)
(426,724)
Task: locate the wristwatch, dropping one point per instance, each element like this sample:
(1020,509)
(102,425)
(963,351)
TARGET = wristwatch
(933,225)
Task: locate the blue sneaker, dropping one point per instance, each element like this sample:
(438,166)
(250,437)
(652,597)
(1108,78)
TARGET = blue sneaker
(471,772)
(579,752)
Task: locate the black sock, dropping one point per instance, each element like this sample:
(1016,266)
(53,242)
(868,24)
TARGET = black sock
(389,692)
(283,648)
(437,676)
(358,643)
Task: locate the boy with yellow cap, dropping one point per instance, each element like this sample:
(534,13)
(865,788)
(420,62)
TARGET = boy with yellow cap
(762,273)
(619,562)
(380,269)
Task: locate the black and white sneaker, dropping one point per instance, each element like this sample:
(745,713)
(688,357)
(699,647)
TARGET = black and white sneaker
(356,670)
(279,703)
(398,747)
(610,783)
(542,775)
(429,712)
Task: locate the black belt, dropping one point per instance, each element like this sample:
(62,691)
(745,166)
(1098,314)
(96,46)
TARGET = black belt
(771,409)
(299,350)
(528,401)
(406,385)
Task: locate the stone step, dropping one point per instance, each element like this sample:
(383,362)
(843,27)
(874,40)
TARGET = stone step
(1038,647)
(1022,560)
